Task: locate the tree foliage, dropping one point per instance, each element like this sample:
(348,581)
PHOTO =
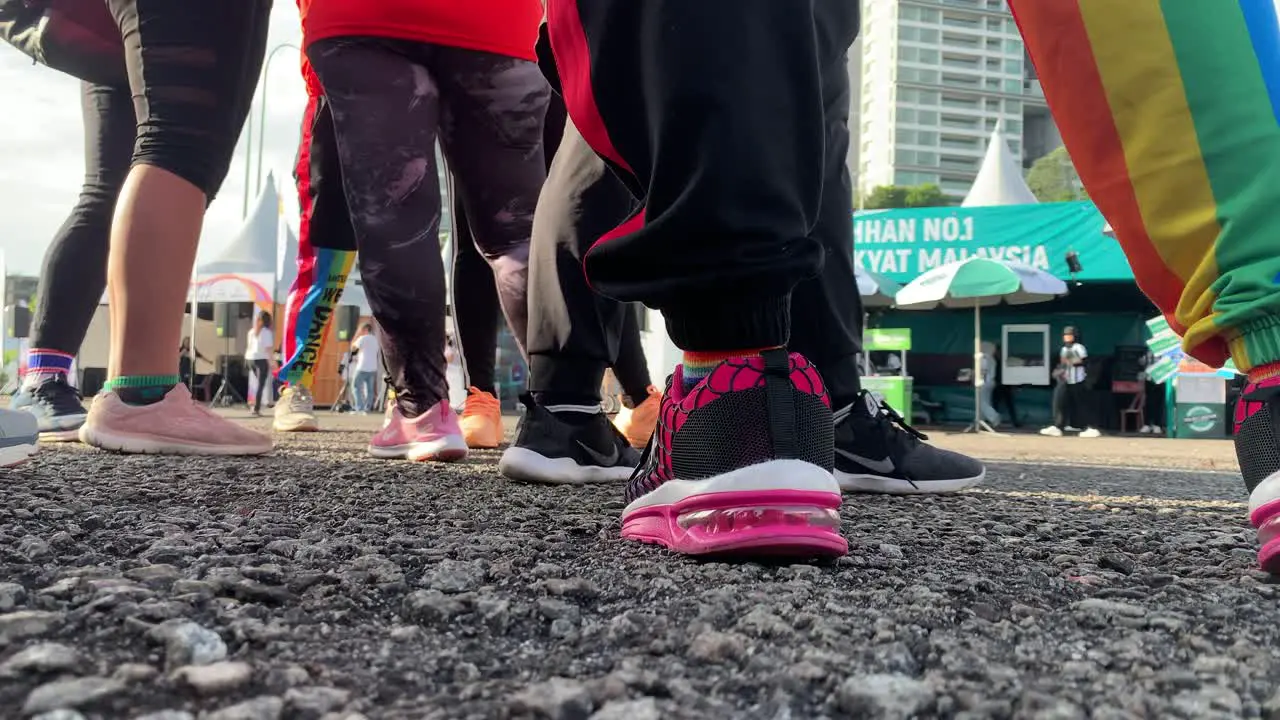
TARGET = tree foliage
(905,196)
(1053,178)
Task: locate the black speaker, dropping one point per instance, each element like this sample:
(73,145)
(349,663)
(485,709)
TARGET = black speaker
(224,319)
(348,320)
(18,319)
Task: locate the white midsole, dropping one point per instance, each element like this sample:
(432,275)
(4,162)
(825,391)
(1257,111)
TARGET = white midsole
(524,464)
(1267,491)
(851,482)
(154,446)
(772,475)
(17,454)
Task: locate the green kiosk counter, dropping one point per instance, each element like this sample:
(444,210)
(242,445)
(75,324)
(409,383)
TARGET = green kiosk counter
(894,388)
(1200,406)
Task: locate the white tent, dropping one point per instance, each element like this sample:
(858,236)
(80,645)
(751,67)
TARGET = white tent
(999,180)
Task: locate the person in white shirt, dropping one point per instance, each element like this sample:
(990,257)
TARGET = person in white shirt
(1072,373)
(260,353)
(367,357)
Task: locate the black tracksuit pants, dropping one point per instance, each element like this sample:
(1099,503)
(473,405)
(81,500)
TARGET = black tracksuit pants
(726,122)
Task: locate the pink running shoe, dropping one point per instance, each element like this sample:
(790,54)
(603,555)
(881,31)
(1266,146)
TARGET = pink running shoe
(177,425)
(741,465)
(433,435)
(1257,423)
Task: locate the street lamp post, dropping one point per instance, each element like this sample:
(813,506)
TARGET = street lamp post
(262,108)
(262,131)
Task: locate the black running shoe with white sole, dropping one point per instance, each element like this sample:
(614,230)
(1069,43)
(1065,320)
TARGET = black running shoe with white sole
(878,452)
(56,407)
(549,448)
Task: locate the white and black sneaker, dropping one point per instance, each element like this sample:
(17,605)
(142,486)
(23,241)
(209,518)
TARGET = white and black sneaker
(567,445)
(878,452)
(56,407)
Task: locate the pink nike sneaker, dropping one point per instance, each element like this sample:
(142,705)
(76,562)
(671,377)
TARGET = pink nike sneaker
(177,425)
(433,435)
(741,465)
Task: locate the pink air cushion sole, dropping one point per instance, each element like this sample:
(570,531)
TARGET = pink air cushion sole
(790,523)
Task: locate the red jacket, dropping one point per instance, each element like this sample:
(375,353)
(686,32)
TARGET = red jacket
(504,27)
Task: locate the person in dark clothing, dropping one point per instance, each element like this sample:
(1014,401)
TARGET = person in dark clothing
(1003,395)
(74,274)
(736,226)
(475,307)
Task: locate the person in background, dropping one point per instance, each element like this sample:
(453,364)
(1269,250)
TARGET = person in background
(1002,397)
(397,76)
(192,71)
(1153,394)
(986,391)
(1072,373)
(367,357)
(260,354)
(186,368)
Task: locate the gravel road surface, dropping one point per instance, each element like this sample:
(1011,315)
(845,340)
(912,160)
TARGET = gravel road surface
(319,583)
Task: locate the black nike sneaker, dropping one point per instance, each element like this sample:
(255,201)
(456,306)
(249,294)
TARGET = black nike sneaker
(878,452)
(551,449)
(56,406)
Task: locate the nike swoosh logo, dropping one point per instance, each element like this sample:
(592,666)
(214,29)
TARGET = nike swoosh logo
(884,466)
(600,459)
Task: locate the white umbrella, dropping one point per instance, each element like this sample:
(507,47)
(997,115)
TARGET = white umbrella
(979,282)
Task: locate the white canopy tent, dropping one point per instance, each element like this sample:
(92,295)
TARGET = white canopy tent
(999,180)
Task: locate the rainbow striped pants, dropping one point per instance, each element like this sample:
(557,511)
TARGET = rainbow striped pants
(1169,109)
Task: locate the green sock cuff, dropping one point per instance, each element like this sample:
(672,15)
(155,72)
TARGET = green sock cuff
(141,381)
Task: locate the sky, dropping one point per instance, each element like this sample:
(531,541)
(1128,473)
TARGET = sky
(42,149)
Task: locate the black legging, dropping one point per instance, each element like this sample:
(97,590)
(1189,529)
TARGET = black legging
(179,115)
(75,265)
(262,371)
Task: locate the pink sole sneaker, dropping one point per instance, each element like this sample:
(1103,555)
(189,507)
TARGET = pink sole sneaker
(780,508)
(1267,520)
(433,436)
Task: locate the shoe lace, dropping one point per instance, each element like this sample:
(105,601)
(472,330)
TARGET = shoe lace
(57,395)
(479,402)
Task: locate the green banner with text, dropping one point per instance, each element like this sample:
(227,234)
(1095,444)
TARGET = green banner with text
(903,244)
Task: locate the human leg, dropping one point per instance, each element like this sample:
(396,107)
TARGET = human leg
(491,132)
(75,265)
(476,314)
(564,436)
(191,73)
(261,373)
(326,254)
(723,239)
(876,450)
(1184,170)
(385,106)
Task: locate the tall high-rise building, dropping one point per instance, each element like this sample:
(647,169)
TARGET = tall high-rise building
(935,78)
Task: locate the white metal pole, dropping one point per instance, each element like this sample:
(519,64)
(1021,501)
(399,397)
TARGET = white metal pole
(977,366)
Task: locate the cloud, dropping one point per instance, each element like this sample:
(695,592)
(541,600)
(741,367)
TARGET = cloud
(42,146)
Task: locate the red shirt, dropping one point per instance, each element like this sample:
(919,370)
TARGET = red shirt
(504,27)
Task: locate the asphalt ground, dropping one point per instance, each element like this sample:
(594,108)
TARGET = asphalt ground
(1108,578)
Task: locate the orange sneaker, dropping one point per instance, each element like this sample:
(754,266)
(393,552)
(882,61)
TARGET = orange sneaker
(481,420)
(636,424)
